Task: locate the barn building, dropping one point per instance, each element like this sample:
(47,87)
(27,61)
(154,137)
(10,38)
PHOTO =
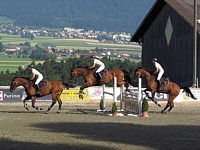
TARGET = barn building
(167,34)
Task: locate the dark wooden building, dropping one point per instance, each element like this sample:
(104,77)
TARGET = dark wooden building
(167,34)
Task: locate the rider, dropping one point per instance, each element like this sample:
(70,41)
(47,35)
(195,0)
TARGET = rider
(159,70)
(100,65)
(39,77)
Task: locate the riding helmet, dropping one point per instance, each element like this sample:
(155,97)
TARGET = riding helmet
(155,59)
(30,66)
(92,57)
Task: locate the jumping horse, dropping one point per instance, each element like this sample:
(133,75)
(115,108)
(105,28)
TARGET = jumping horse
(172,89)
(54,88)
(90,79)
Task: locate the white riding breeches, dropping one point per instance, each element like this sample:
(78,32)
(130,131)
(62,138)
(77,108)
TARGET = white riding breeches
(38,80)
(160,75)
(100,68)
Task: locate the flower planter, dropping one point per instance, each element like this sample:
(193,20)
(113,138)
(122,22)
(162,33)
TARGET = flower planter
(145,114)
(145,108)
(114,114)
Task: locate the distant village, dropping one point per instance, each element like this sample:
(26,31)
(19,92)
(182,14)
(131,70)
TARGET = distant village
(70,33)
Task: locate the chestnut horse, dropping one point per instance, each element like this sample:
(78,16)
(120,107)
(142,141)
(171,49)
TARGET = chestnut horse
(54,88)
(172,89)
(122,76)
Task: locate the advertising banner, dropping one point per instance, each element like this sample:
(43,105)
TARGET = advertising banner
(73,95)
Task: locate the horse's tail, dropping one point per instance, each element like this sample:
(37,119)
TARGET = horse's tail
(66,85)
(127,77)
(188,91)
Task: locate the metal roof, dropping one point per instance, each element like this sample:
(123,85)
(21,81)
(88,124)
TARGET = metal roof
(185,8)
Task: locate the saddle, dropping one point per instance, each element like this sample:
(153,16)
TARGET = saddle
(43,83)
(164,81)
(104,73)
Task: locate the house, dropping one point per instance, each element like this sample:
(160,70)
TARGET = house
(167,34)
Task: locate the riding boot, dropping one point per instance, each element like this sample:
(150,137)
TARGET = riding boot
(101,79)
(99,74)
(37,89)
(159,85)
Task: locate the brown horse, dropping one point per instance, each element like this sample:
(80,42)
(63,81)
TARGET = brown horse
(52,87)
(172,89)
(122,76)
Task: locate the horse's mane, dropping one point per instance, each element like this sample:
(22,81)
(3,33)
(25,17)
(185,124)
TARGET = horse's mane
(86,67)
(151,72)
(27,78)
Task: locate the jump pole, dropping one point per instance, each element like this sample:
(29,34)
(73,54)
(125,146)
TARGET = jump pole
(114,94)
(114,89)
(139,96)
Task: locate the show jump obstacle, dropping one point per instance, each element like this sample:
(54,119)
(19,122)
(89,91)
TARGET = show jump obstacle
(130,102)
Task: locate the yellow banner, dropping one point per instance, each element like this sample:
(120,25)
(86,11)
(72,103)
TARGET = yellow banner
(73,95)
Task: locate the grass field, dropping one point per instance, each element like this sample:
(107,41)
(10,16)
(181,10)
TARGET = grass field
(60,43)
(12,63)
(5,20)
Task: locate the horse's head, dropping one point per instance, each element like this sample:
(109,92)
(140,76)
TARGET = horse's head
(137,73)
(141,72)
(75,72)
(16,82)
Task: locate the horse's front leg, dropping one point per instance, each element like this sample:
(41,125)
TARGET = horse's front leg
(33,98)
(82,88)
(147,94)
(24,101)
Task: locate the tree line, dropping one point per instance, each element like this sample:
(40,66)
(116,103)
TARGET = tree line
(54,70)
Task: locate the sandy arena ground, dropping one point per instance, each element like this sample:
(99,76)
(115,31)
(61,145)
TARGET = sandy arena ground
(81,127)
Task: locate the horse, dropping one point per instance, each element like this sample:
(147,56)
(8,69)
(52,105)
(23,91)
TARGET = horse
(172,89)
(54,88)
(123,77)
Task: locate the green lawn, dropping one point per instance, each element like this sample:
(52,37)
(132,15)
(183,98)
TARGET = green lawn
(5,20)
(11,63)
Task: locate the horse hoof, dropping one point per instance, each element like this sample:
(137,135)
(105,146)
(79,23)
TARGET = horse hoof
(27,109)
(58,111)
(163,112)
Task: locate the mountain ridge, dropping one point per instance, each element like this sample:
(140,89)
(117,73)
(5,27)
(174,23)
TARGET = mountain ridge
(104,15)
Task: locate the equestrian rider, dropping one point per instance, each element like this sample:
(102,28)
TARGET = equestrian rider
(39,77)
(100,64)
(159,70)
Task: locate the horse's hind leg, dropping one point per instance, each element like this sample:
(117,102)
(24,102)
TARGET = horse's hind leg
(54,97)
(170,104)
(59,102)
(52,104)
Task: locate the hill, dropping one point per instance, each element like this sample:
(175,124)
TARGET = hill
(103,15)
